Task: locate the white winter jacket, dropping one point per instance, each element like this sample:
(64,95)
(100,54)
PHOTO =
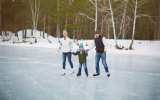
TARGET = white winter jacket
(65,45)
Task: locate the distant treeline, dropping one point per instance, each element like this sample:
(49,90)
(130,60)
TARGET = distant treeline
(82,17)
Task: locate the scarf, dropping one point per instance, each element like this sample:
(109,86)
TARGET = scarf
(80,51)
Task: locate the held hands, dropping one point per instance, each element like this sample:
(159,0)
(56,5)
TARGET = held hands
(104,53)
(56,53)
(86,51)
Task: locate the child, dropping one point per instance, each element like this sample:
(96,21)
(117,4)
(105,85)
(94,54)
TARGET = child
(82,59)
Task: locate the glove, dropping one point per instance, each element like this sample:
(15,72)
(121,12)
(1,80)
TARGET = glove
(56,53)
(104,53)
(86,51)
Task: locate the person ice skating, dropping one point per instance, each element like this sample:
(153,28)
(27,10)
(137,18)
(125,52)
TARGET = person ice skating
(101,48)
(66,46)
(82,59)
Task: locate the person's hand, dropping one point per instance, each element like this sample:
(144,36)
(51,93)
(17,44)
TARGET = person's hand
(86,50)
(104,53)
(56,53)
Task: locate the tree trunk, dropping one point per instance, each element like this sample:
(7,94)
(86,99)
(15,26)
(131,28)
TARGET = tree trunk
(102,23)
(0,20)
(108,33)
(156,23)
(5,28)
(32,31)
(43,28)
(58,32)
(113,26)
(16,29)
(158,36)
(44,23)
(73,35)
(25,26)
(77,34)
(134,25)
(49,23)
(96,15)
(73,31)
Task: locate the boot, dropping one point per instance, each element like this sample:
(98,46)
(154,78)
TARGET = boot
(97,74)
(108,74)
(63,72)
(71,71)
(79,74)
(87,74)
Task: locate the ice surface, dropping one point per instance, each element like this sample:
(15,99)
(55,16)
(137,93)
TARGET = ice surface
(34,74)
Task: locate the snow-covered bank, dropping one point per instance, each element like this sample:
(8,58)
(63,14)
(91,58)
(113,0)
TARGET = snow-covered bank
(147,48)
(141,47)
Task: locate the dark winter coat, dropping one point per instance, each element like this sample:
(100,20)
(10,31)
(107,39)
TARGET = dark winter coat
(82,57)
(99,44)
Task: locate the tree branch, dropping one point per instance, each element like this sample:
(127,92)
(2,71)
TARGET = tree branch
(87,16)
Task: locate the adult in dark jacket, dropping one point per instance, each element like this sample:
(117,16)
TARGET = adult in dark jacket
(101,48)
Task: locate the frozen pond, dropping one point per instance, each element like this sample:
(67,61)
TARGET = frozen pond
(28,73)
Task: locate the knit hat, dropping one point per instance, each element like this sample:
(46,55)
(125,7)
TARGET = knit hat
(97,32)
(81,45)
(64,31)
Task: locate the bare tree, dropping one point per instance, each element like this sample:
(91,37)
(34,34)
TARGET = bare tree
(44,23)
(134,8)
(58,28)
(35,6)
(0,19)
(123,20)
(96,12)
(108,9)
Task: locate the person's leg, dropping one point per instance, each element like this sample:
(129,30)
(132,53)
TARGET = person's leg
(80,68)
(104,62)
(64,60)
(97,58)
(85,67)
(69,59)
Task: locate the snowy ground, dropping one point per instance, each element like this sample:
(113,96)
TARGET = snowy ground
(30,73)
(141,47)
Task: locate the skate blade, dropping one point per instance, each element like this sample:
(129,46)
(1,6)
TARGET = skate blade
(71,73)
(62,74)
(95,76)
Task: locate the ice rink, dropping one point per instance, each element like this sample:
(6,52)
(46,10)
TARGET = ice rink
(28,73)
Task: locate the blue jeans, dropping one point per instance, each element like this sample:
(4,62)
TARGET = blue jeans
(64,55)
(84,65)
(97,59)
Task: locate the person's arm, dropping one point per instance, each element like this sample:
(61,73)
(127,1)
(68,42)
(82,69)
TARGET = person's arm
(59,48)
(75,53)
(70,44)
(92,46)
(105,43)
(86,54)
